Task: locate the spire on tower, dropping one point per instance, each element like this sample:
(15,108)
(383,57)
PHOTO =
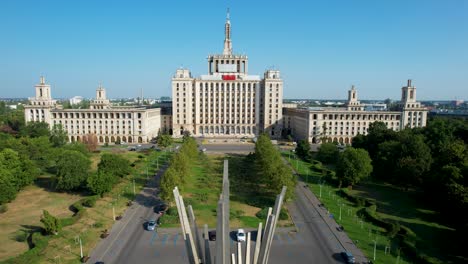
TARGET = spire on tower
(227,36)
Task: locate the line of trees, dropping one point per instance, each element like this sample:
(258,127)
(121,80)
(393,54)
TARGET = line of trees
(271,171)
(180,166)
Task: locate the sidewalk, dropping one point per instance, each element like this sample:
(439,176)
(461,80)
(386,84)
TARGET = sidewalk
(342,237)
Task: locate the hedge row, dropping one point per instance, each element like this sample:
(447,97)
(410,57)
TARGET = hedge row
(39,242)
(406,237)
(359,201)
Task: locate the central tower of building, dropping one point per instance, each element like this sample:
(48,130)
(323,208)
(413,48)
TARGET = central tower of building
(227,102)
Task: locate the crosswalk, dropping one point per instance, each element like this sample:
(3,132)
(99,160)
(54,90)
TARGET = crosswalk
(162,239)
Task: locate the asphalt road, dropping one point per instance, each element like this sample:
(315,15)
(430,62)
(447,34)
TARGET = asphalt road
(129,242)
(238,148)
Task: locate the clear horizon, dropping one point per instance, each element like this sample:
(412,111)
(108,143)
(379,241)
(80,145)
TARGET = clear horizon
(321,48)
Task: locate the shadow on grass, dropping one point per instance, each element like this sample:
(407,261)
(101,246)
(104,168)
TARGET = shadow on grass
(28,230)
(244,187)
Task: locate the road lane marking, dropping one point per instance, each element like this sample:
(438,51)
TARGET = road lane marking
(118,234)
(153,237)
(164,239)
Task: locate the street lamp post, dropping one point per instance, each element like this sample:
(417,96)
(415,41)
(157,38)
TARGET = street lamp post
(340,212)
(375,247)
(81,249)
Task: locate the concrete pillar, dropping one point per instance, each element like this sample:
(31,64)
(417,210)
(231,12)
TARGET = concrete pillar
(239,253)
(258,243)
(247,250)
(207,255)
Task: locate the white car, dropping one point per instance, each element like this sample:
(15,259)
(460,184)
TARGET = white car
(151,225)
(240,235)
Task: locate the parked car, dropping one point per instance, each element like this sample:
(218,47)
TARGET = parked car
(212,235)
(151,225)
(161,208)
(348,257)
(240,235)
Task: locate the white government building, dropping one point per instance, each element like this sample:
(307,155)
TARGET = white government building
(225,103)
(109,123)
(341,124)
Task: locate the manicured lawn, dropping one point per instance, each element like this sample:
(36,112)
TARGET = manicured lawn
(203,187)
(361,232)
(63,248)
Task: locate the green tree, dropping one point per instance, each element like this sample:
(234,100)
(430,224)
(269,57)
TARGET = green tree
(270,168)
(7,188)
(72,170)
(303,150)
(36,129)
(168,181)
(353,166)
(164,140)
(51,224)
(114,164)
(58,136)
(328,153)
(22,170)
(414,159)
(101,182)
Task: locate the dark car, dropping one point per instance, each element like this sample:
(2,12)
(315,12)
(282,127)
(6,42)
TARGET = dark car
(212,235)
(161,208)
(348,257)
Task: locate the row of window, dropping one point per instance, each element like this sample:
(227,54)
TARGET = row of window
(358,117)
(95,115)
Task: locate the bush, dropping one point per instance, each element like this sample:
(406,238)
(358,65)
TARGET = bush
(262,214)
(3,208)
(52,225)
(98,225)
(172,211)
(236,214)
(21,236)
(90,201)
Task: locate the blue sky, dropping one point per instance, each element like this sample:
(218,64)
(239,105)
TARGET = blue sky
(321,47)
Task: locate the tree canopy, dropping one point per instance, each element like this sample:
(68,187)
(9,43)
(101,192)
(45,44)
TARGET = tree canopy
(72,170)
(271,169)
(328,153)
(303,150)
(353,166)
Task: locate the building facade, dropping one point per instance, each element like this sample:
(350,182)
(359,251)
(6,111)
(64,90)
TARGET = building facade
(108,123)
(228,101)
(333,124)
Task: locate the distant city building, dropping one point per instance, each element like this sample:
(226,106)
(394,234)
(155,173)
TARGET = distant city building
(341,124)
(227,102)
(75,100)
(110,124)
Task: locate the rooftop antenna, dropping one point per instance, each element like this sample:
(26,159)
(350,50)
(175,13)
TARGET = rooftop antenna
(141,96)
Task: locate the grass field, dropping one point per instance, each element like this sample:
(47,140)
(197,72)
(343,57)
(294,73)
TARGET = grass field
(23,216)
(63,248)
